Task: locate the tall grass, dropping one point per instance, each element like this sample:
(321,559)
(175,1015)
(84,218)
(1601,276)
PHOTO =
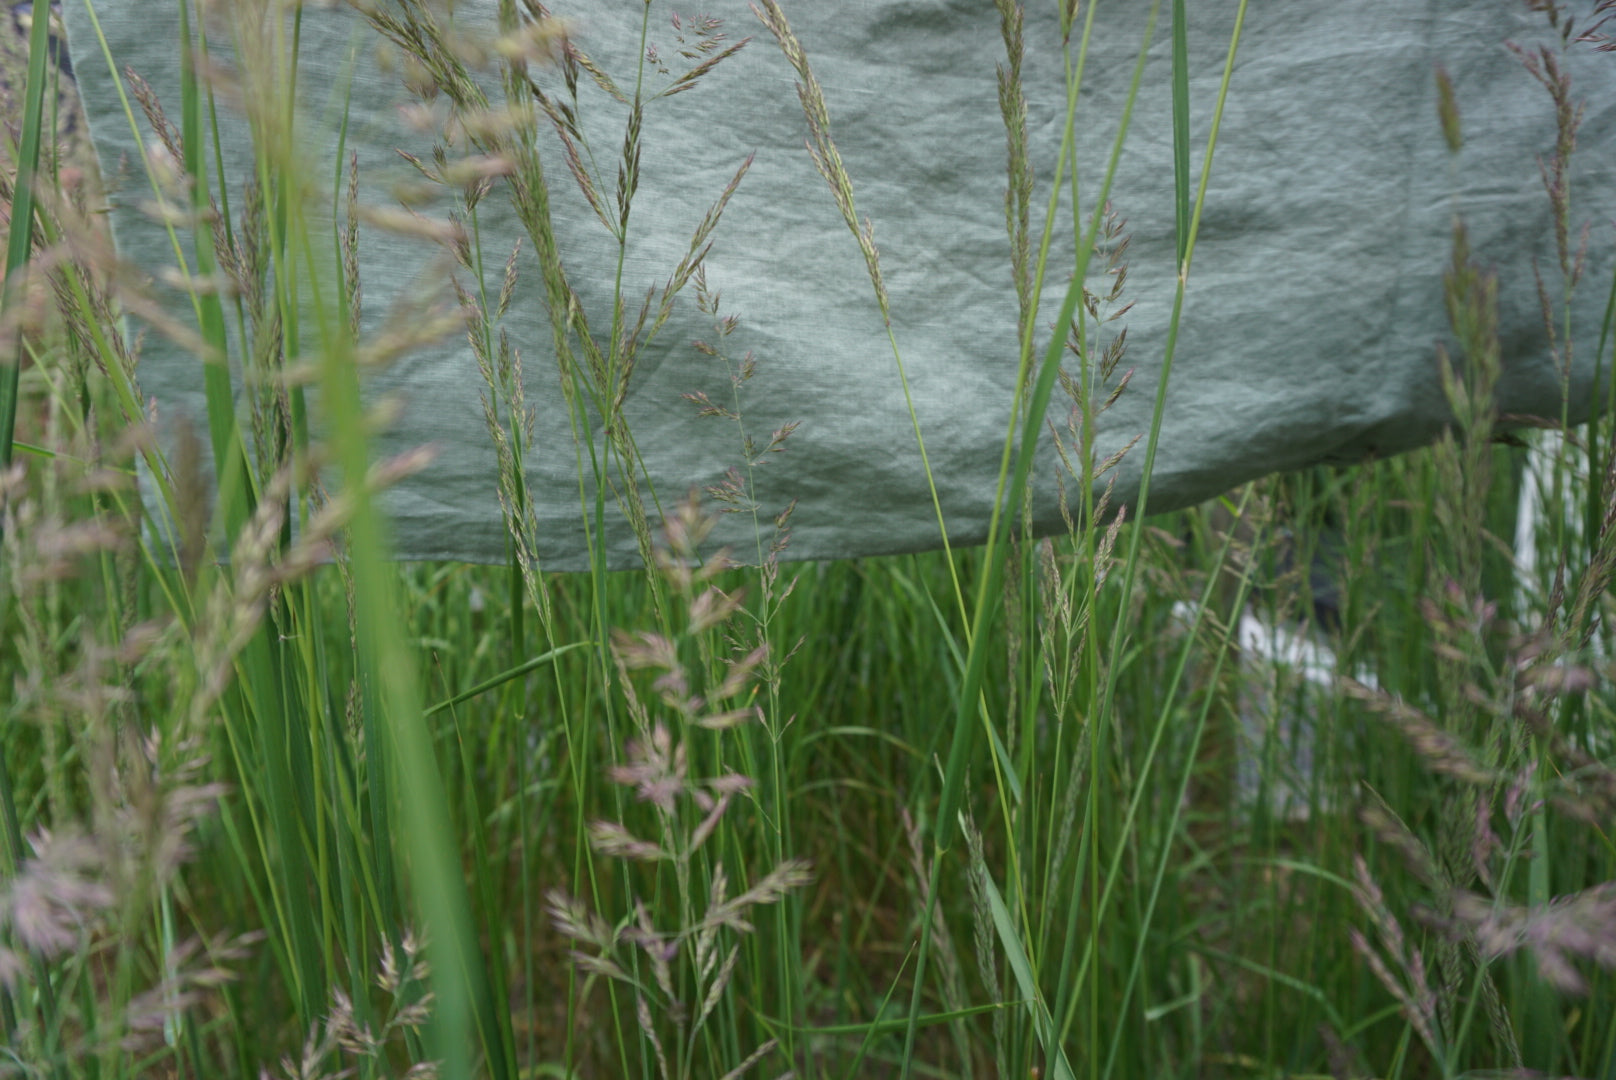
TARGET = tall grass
(277,804)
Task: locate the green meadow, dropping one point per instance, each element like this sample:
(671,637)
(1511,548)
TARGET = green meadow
(273,803)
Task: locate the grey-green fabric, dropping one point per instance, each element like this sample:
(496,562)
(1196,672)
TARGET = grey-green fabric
(1313,314)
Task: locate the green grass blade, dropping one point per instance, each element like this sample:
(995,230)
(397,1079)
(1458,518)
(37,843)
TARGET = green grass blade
(504,677)
(1181,126)
(1048,1038)
(229,455)
(18,248)
(19,243)
(988,596)
(888,1027)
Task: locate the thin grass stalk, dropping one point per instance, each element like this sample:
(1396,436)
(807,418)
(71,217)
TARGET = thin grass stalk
(263,697)
(433,869)
(1091,551)
(1093,650)
(1102,719)
(130,406)
(995,552)
(229,456)
(1602,379)
(1181,127)
(828,160)
(1153,440)
(1012,494)
(19,242)
(18,249)
(1020,177)
(1101,896)
(1065,166)
(1189,226)
(181,261)
(567,317)
(1163,719)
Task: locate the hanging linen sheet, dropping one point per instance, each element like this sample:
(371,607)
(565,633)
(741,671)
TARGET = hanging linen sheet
(1312,317)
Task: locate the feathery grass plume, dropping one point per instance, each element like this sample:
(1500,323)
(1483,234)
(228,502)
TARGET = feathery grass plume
(1018,573)
(1019,184)
(1545,67)
(1581,926)
(1095,369)
(511,422)
(1464,454)
(123,821)
(1102,310)
(984,941)
(1447,108)
(1559,519)
(1463,460)
(822,149)
(1443,750)
(269,382)
(1593,34)
(1398,965)
(756,652)
(1149,934)
(693,956)
(83,270)
(596,369)
(691,831)
(348,246)
(737,491)
(346,1044)
(827,160)
(948,962)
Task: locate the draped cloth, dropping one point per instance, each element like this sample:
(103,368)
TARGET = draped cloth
(1312,317)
